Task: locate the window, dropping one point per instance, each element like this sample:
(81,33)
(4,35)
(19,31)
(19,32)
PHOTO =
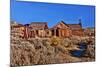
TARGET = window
(47,32)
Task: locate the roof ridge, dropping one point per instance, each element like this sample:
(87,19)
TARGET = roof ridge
(38,22)
(73,24)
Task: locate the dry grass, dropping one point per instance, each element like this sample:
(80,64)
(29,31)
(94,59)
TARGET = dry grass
(42,51)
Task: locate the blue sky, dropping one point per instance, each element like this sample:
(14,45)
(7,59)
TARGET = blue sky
(27,12)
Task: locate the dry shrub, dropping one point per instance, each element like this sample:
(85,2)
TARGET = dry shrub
(75,39)
(66,58)
(55,41)
(35,51)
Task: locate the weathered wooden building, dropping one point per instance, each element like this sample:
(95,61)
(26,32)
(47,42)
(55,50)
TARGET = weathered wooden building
(76,29)
(61,30)
(17,29)
(90,31)
(40,29)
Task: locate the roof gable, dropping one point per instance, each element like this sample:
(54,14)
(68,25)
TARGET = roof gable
(61,25)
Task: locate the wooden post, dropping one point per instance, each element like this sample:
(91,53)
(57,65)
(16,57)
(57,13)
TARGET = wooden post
(34,33)
(26,33)
(55,32)
(59,33)
(43,33)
